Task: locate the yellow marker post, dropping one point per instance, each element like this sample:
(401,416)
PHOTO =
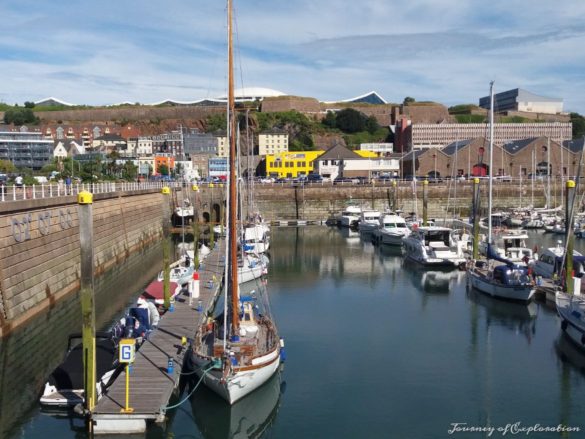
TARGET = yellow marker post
(126,355)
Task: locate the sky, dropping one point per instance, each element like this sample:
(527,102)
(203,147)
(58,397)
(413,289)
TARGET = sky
(447,51)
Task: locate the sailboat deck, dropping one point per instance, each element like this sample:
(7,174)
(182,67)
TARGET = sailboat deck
(150,384)
(244,350)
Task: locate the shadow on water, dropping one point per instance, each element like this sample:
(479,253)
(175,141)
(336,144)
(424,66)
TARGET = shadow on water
(517,317)
(251,417)
(569,353)
(31,352)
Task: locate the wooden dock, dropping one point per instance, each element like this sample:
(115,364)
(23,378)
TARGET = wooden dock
(151,386)
(546,290)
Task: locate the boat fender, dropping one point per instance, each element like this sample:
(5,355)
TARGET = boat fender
(79,410)
(564,325)
(583,339)
(282,351)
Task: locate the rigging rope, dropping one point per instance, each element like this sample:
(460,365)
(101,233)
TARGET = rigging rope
(170,407)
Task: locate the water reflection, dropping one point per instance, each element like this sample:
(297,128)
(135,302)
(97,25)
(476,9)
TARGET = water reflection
(519,318)
(251,417)
(570,354)
(432,281)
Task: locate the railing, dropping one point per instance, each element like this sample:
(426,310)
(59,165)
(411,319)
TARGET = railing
(54,190)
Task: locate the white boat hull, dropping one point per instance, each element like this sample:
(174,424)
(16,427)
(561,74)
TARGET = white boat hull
(248,274)
(521,293)
(240,383)
(572,313)
(348,220)
(390,238)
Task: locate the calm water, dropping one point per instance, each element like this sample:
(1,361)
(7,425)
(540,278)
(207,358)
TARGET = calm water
(379,348)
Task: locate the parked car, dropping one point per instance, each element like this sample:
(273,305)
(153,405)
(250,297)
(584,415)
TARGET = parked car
(345,180)
(314,178)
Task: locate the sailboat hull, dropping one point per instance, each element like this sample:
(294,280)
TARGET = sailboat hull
(572,313)
(482,283)
(243,381)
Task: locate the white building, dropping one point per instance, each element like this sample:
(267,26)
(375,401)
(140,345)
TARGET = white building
(145,165)
(522,100)
(339,161)
(380,148)
(272,142)
(140,146)
(67,148)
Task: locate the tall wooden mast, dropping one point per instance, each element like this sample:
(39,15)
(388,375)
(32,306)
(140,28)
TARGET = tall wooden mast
(232,282)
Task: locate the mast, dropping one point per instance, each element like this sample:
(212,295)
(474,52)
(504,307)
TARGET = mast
(232,260)
(491,144)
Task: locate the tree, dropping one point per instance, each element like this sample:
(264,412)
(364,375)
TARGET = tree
(20,116)
(216,122)
(578,125)
(350,121)
(372,125)
(163,169)
(7,167)
(408,100)
(330,120)
(29,104)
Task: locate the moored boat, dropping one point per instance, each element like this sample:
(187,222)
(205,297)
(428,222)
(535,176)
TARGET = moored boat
(238,351)
(433,246)
(391,230)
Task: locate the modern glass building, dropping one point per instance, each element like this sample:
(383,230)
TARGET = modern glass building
(25,149)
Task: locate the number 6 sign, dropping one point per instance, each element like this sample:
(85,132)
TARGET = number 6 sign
(127,349)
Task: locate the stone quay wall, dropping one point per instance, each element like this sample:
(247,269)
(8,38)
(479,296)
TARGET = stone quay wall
(40,250)
(319,202)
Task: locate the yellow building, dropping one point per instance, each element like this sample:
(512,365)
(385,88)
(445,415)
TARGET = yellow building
(291,164)
(367,154)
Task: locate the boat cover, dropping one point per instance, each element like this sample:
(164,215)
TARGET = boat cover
(69,374)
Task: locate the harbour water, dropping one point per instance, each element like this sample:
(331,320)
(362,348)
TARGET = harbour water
(377,347)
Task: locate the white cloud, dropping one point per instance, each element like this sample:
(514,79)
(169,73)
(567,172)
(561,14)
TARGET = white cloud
(442,50)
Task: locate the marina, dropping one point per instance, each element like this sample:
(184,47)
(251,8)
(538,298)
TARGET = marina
(457,372)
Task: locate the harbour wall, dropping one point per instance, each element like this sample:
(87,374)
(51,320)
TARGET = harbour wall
(40,250)
(316,202)
(31,351)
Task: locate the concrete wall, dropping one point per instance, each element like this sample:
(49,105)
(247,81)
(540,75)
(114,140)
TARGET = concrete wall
(39,246)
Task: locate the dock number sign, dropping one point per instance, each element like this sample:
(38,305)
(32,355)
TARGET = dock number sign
(127,349)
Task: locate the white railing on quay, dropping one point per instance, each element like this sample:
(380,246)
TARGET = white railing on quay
(55,190)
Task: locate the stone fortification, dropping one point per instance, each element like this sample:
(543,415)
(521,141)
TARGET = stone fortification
(431,113)
(131,113)
(288,103)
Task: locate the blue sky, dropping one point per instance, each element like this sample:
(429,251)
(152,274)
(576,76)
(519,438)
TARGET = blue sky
(441,50)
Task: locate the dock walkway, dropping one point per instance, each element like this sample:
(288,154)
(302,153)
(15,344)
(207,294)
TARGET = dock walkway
(150,385)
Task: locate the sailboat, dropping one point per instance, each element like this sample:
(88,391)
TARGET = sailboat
(239,350)
(570,301)
(506,280)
